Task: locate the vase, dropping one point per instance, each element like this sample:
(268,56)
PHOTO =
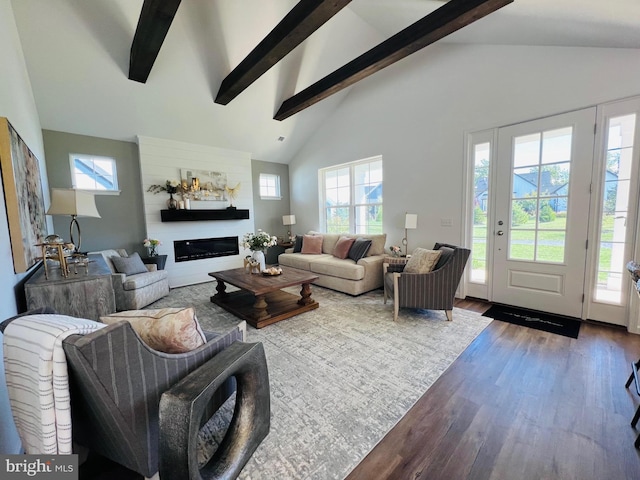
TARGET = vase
(258,256)
(172,203)
(152,251)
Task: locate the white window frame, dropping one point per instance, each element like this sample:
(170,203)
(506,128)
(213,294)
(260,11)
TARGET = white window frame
(264,180)
(91,159)
(352,205)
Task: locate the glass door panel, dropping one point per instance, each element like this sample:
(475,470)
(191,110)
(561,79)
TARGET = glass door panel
(615,209)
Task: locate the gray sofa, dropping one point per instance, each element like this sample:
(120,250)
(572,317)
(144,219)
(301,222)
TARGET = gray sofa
(133,292)
(343,275)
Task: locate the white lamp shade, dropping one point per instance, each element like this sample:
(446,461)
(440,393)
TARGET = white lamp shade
(411,221)
(65,201)
(288,219)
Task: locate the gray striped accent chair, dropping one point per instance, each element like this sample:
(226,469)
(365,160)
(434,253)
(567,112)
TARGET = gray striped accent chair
(116,383)
(435,290)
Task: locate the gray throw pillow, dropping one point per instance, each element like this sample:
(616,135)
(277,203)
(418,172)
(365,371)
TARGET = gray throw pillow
(297,246)
(359,249)
(129,265)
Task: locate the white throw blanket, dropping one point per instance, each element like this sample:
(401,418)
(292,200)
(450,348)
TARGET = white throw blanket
(37,379)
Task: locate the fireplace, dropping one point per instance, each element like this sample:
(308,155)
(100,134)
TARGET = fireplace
(197,249)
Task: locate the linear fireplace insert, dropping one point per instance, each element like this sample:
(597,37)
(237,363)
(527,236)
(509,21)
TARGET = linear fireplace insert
(199,248)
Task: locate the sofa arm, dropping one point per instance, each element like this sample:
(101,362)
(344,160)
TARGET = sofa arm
(184,404)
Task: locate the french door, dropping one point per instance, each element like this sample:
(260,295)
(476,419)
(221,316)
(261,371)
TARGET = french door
(541,215)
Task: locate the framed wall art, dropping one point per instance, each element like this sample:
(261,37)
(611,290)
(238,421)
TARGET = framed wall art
(24,198)
(203,185)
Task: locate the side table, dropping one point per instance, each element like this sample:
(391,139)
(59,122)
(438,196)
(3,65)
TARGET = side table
(85,294)
(159,260)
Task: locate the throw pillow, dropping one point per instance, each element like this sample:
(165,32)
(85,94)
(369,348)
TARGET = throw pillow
(312,244)
(169,330)
(422,260)
(341,250)
(297,247)
(129,265)
(359,249)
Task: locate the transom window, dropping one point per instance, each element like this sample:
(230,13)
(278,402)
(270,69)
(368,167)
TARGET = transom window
(270,186)
(89,172)
(351,197)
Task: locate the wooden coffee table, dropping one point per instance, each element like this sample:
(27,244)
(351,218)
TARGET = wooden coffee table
(260,300)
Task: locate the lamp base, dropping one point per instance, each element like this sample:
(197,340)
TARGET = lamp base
(74,221)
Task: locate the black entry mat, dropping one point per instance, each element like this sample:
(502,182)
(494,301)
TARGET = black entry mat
(547,322)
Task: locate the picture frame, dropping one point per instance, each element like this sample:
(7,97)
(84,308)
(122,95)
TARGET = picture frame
(24,197)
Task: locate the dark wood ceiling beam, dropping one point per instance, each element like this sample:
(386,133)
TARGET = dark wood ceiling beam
(447,19)
(154,22)
(304,19)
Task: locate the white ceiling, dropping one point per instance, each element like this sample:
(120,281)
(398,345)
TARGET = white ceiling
(77,55)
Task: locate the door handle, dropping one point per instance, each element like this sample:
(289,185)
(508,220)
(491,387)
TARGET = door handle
(500,233)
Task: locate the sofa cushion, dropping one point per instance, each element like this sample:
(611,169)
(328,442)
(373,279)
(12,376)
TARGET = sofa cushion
(129,265)
(140,280)
(106,255)
(169,330)
(422,260)
(335,267)
(359,248)
(312,244)
(341,250)
(297,260)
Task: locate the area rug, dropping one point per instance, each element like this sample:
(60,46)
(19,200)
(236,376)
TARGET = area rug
(341,376)
(547,322)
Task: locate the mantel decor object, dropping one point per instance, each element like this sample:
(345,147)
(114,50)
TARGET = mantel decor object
(170,187)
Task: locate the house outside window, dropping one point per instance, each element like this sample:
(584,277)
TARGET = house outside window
(351,197)
(90,172)
(270,186)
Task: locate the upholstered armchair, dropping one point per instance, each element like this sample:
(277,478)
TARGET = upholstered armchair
(136,290)
(143,408)
(434,290)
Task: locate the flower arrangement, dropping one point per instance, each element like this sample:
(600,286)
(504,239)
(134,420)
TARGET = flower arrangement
(152,245)
(258,241)
(395,250)
(170,187)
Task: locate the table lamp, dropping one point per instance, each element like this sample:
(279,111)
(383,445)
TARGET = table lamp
(288,220)
(68,201)
(410,223)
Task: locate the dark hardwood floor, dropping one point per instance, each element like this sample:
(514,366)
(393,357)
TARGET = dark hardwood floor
(521,404)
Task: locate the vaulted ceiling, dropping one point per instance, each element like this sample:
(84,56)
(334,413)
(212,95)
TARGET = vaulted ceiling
(78,55)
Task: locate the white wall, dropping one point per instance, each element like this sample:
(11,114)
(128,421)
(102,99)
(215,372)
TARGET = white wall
(161,160)
(415,114)
(17,104)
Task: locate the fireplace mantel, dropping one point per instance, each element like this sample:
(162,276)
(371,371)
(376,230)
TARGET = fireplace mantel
(199,215)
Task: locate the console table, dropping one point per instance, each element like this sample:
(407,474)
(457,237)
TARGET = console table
(86,294)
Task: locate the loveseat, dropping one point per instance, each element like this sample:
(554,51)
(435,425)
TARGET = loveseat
(346,275)
(137,290)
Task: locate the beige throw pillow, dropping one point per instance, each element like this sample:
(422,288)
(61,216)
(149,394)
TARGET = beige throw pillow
(422,260)
(169,330)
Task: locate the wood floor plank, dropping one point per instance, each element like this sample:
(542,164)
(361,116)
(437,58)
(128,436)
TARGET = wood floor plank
(521,403)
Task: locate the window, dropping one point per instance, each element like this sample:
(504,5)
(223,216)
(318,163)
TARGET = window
(351,196)
(616,203)
(270,186)
(89,172)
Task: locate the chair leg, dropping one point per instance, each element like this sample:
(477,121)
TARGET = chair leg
(449,315)
(626,385)
(636,417)
(396,298)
